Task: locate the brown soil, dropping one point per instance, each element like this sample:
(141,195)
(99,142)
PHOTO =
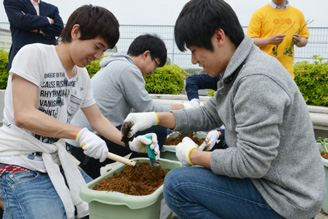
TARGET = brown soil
(176,140)
(126,126)
(141,180)
(324,155)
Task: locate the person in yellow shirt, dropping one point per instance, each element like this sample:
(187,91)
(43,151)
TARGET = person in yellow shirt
(275,26)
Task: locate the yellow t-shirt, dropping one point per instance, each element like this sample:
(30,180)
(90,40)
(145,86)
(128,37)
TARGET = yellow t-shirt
(268,21)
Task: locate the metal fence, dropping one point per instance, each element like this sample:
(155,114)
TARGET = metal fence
(317,45)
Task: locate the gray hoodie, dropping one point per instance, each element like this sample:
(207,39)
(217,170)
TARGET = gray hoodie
(268,130)
(118,88)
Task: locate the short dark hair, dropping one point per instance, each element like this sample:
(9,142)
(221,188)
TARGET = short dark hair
(153,43)
(94,21)
(198,21)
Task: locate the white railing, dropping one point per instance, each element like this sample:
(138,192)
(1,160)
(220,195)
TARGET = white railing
(317,45)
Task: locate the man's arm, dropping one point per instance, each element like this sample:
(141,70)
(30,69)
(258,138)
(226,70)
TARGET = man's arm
(299,41)
(102,125)
(27,116)
(273,40)
(23,19)
(56,27)
(166,119)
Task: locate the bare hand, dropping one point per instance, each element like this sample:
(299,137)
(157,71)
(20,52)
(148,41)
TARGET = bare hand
(297,39)
(51,20)
(277,38)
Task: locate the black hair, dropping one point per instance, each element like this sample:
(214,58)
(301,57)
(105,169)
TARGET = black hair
(153,43)
(198,21)
(94,21)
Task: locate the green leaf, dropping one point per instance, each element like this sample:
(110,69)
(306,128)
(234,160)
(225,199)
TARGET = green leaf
(312,81)
(3,68)
(168,79)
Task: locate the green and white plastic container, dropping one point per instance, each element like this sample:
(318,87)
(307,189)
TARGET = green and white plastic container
(168,151)
(114,205)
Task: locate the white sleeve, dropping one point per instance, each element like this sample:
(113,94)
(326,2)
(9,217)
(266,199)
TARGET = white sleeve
(89,98)
(28,64)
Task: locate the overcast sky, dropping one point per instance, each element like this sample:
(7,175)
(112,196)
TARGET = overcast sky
(165,12)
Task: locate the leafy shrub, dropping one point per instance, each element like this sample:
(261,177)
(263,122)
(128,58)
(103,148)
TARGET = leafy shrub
(168,79)
(211,92)
(3,68)
(94,67)
(312,80)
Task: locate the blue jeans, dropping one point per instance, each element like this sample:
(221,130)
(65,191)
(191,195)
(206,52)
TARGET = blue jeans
(30,194)
(195,192)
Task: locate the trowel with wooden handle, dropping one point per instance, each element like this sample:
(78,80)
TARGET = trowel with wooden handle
(122,159)
(204,145)
(114,157)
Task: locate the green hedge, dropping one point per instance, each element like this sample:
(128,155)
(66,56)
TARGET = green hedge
(94,67)
(3,68)
(312,80)
(168,79)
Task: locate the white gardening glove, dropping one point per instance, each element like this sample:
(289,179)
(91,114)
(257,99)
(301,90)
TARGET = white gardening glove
(211,138)
(139,144)
(184,149)
(92,145)
(195,102)
(141,121)
(187,105)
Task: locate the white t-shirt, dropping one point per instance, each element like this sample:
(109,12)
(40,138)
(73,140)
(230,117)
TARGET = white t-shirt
(59,96)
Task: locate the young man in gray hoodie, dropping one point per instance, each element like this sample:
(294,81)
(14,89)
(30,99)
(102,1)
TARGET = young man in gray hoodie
(272,167)
(119,88)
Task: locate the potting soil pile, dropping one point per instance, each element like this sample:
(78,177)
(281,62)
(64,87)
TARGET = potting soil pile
(178,139)
(324,155)
(141,180)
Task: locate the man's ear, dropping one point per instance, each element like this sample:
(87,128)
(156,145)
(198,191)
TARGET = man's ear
(75,32)
(220,37)
(145,54)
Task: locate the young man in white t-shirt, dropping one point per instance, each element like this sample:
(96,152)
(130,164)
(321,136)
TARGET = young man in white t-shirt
(46,86)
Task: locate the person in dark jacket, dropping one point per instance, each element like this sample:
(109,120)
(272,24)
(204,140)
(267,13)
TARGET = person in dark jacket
(199,81)
(204,81)
(31,21)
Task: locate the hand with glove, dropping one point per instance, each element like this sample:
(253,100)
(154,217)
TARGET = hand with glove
(140,121)
(195,102)
(211,138)
(184,149)
(139,144)
(187,105)
(92,145)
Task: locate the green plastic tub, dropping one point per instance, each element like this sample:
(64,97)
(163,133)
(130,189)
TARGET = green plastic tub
(168,151)
(117,205)
(325,165)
